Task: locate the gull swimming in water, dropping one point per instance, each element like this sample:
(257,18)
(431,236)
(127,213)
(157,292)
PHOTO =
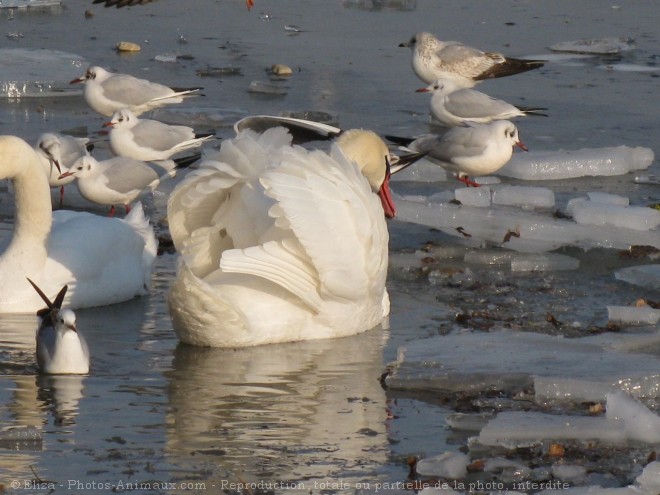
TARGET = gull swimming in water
(150,140)
(61,349)
(468,151)
(106,92)
(433,59)
(278,243)
(452,105)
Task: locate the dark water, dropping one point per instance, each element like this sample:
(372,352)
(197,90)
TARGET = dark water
(152,411)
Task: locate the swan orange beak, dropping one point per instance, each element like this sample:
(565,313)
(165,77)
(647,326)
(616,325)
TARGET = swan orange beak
(386,195)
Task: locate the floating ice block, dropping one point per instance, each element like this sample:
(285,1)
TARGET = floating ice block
(640,423)
(450,465)
(631,315)
(562,164)
(525,197)
(34,72)
(647,276)
(473,196)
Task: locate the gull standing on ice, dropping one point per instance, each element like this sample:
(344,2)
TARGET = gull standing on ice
(150,140)
(106,92)
(57,153)
(468,151)
(102,260)
(278,243)
(453,105)
(125,3)
(120,180)
(61,349)
(433,59)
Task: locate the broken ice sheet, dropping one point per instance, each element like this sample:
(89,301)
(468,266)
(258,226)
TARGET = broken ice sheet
(33,72)
(626,420)
(566,164)
(599,46)
(574,369)
(520,229)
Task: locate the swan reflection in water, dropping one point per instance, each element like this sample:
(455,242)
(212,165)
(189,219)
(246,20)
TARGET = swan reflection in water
(296,412)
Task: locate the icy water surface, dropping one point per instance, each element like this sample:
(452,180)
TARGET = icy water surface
(315,416)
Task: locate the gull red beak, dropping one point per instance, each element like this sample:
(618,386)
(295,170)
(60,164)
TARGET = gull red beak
(77,80)
(422,90)
(249,3)
(521,146)
(386,195)
(107,124)
(65,175)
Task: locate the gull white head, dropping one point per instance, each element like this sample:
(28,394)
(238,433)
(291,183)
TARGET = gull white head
(94,73)
(122,118)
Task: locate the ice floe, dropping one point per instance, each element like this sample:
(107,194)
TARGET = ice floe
(33,72)
(573,369)
(567,164)
(599,46)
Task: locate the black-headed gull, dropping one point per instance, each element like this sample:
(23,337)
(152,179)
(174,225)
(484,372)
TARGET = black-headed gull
(102,260)
(150,140)
(469,151)
(452,105)
(433,59)
(279,243)
(106,92)
(121,180)
(57,153)
(61,349)
(125,3)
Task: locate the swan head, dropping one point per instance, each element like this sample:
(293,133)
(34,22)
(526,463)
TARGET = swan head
(371,154)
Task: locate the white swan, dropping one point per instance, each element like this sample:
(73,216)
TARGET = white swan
(102,260)
(279,243)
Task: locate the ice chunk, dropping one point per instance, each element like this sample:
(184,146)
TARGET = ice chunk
(632,315)
(516,360)
(264,88)
(599,46)
(641,424)
(473,196)
(422,171)
(468,422)
(563,164)
(543,262)
(33,72)
(22,4)
(632,217)
(450,465)
(647,276)
(535,231)
(612,199)
(526,197)
(568,472)
(21,438)
(650,477)
(512,429)
(630,67)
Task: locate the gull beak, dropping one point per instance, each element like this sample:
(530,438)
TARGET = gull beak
(65,175)
(422,90)
(77,80)
(521,146)
(249,3)
(108,124)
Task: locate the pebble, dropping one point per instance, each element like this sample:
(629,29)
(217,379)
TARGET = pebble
(281,70)
(128,46)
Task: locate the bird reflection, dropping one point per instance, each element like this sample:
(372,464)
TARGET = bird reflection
(307,410)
